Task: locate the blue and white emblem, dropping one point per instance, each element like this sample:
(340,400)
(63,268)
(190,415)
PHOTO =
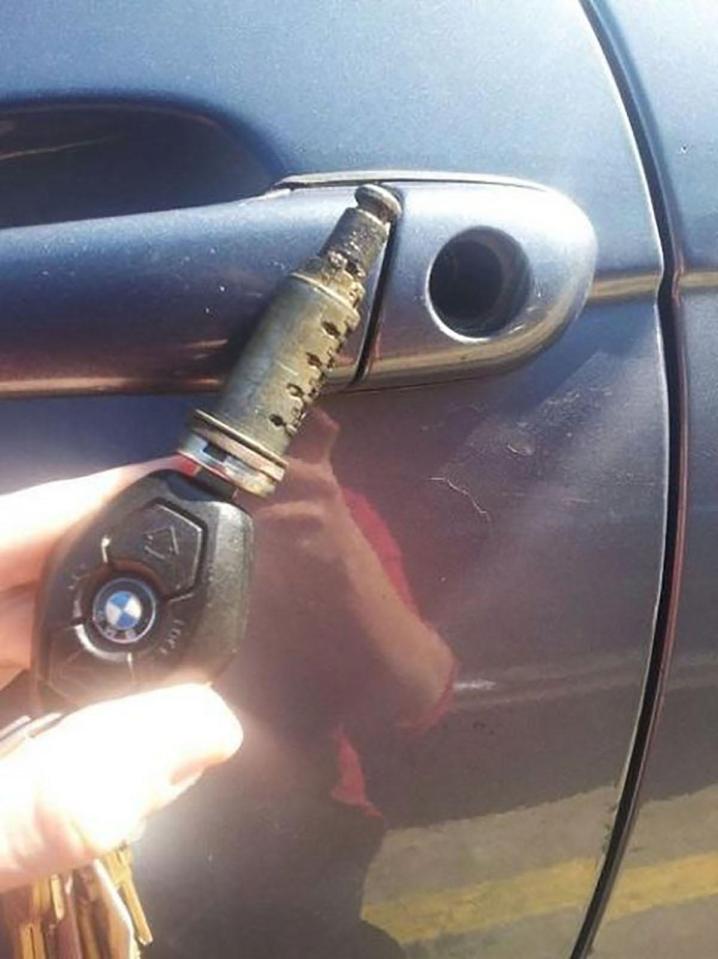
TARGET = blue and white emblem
(124,610)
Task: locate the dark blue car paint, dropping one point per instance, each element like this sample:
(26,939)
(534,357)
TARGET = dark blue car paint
(665,66)
(531,507)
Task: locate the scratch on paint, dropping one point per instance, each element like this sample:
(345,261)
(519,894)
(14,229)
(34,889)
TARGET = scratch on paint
(483,513)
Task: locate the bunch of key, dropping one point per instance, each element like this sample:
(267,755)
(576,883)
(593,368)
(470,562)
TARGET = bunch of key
(154,588)
(90,913)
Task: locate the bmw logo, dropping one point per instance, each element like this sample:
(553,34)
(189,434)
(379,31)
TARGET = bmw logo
(124,610)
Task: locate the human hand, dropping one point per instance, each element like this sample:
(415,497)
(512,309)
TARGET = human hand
(86,785)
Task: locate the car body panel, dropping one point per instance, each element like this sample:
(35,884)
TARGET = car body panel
(668,60)
(527,510)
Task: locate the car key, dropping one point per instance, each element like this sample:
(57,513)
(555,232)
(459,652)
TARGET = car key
(119,868)
(64,916)
(154,588)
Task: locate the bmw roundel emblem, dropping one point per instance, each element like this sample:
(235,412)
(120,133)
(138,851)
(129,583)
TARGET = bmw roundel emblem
(124,610)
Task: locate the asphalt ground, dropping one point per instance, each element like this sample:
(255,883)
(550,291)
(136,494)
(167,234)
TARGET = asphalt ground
(454,891)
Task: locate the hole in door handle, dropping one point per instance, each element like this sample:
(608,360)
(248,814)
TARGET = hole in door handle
(478,282)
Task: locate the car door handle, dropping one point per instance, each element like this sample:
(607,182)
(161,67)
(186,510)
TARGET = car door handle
(481,274)
(155,301)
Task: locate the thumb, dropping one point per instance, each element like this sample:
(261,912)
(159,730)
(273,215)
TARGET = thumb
(85,786)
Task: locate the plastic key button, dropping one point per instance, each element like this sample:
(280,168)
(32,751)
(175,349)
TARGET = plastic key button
(76,668)
(163,541)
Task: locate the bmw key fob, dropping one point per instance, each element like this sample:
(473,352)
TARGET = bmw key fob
(153,587)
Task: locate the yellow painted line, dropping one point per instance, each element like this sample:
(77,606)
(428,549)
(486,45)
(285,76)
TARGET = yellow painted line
(667,883)
(540,892)
(484,905)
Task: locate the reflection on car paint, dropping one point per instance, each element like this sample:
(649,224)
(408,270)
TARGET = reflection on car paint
(336,636)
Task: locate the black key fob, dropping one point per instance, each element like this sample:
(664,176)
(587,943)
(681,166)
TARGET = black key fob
(154,588)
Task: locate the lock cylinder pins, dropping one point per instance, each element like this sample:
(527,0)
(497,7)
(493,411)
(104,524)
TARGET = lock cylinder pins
(281,370)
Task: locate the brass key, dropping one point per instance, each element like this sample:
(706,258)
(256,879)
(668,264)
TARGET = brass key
(41,921)
(107,924)
(119,932)
(84,894)
(119,865)
(92,913)
(27,912)
(67,934)
(34,913)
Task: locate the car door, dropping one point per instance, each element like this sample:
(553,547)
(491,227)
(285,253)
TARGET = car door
(665,850)
(519,514)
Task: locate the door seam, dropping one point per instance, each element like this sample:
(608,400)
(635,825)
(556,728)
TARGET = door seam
(635,105)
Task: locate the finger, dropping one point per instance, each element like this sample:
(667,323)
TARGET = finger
(309,480)
(318,436)
(85,786)
(16,615)
(32,519)
(294,514)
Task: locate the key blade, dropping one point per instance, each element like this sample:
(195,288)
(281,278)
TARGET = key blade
(68,944)
(92,915)
(120,931)
(119,866)
(90,947)
(32,942)
(57,899)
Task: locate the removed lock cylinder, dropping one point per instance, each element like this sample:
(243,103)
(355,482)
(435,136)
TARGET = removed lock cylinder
(154,589)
